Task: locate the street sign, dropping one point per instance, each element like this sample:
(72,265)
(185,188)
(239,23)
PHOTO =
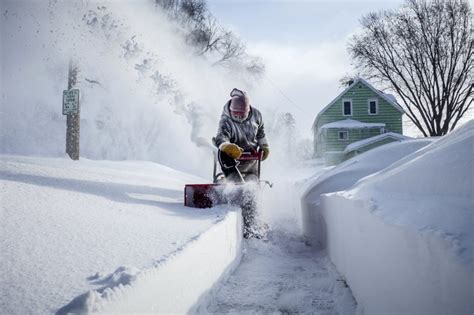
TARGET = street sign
(71,102)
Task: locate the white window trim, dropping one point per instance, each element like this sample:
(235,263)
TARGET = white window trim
(343,101)
(339,135)
(376,106)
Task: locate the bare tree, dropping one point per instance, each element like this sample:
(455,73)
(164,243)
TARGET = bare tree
(194,9)
(169,5)
(255,65)
(230,47)
(347,80)
(204,33)
(425,52)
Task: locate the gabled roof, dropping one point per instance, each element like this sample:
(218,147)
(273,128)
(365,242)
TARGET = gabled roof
(362,143)
(388,97)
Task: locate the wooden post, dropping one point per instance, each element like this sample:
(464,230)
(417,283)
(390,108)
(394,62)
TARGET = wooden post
(73,119)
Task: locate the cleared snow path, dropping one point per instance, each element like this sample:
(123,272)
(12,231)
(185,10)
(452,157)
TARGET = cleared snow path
(283,276)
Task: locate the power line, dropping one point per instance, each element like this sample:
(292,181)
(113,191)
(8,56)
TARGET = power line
(286,96)
(307,115)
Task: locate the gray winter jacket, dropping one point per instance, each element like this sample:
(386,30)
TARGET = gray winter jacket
(249,134)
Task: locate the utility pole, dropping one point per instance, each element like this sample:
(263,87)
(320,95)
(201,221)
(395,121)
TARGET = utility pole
(71,108)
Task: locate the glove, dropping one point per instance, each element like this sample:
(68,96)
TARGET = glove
(266,151)
(231,149)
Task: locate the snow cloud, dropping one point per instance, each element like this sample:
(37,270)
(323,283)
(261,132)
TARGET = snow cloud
(144,94)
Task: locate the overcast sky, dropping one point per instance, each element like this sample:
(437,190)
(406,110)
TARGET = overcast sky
(303,44)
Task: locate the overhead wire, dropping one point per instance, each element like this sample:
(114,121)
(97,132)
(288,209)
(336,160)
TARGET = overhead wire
(307,115)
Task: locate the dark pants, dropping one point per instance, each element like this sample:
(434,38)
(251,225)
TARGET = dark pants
(240,172)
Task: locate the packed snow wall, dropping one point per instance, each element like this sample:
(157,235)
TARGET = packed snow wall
(342,177)
(403,236)
(394,269)
(170,286)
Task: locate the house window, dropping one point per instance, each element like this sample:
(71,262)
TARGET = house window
(343,135)
(373,107)
(347,107)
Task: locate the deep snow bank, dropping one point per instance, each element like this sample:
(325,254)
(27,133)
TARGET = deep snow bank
(403,237)
(176,283)
(393,269)
(343,177)
(113,229)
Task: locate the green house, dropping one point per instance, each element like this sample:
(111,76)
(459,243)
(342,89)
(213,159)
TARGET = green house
(357,120)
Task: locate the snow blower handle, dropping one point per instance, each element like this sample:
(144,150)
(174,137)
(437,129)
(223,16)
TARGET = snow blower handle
(251,156)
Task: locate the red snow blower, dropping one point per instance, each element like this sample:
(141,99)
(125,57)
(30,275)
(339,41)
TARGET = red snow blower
(209,195)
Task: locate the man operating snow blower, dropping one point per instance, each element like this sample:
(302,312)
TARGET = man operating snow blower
(241,131)
(242,147)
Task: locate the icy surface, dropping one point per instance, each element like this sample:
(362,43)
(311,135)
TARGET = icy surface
(69,227)
(283,276)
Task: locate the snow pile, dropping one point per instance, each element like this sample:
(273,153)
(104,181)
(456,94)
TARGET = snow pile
(403,237)
(174,284)
(430,190)
(101,235)
(361,143)
(343,177)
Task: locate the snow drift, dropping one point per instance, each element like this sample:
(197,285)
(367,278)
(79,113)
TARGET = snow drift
(403,236)
(343,177)
(176,283)
(83,236)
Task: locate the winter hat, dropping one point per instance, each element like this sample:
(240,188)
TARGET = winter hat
(239,102)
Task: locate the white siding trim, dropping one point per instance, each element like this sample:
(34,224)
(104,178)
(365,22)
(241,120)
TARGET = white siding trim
(376,106)
(343,132)
(343,101)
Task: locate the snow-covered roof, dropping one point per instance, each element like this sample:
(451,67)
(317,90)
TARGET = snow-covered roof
(388,97)
(359,144)
(351,124)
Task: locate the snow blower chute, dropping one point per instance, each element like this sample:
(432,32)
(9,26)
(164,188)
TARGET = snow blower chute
(208,195)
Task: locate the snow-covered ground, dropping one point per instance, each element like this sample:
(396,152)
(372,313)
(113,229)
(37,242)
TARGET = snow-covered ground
(107,236)
(70,227)
(282,276)
(114,237)
(397,223)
